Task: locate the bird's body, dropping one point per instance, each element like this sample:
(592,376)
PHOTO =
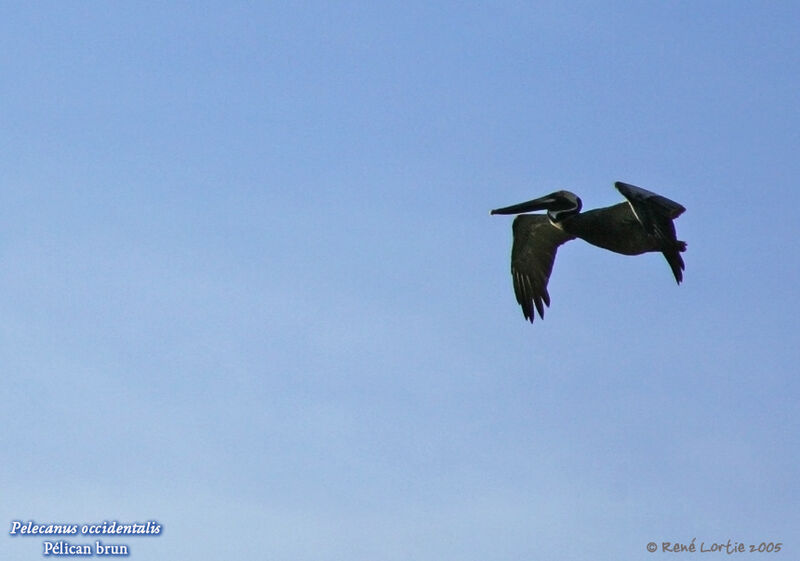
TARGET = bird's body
(640,225)
(614,228)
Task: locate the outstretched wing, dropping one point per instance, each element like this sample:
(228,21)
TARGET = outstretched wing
(656,213)
(652,211)
(536,241)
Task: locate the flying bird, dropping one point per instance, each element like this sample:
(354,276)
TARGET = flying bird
(640,225)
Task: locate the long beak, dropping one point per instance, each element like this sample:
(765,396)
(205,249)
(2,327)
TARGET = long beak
(542,203)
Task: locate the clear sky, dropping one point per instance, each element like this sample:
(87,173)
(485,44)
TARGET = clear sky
(251,288)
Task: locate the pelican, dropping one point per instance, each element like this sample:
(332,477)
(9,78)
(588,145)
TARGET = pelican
(640,225)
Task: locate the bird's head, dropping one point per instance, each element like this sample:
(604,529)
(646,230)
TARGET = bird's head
(558,205)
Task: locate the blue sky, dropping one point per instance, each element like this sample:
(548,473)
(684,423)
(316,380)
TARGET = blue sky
(251,288)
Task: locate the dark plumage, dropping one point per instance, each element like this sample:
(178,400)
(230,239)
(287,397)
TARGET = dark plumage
(640,225)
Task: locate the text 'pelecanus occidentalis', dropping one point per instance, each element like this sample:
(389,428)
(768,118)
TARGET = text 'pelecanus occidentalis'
(640,225)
